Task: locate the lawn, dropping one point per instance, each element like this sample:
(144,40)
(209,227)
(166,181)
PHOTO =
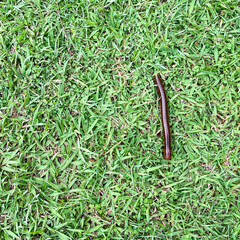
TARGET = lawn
(81,144)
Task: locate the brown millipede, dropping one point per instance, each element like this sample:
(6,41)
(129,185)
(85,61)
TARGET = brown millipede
(164,117)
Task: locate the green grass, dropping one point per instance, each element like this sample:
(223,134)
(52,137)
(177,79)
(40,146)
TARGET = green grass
(80,157)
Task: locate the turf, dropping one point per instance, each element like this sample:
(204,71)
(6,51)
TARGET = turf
(80,129)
